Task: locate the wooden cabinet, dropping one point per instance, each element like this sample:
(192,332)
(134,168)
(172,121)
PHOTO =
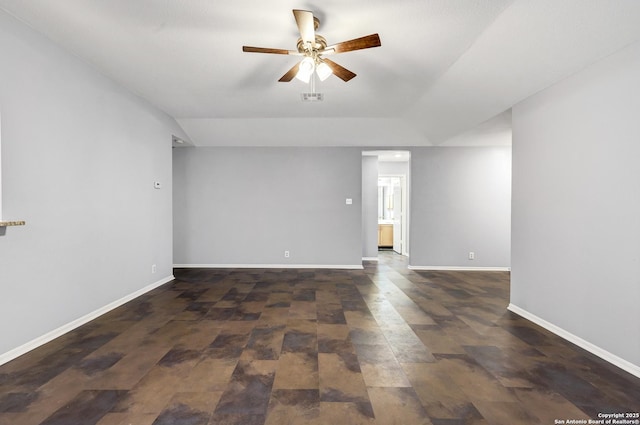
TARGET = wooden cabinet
(385,235)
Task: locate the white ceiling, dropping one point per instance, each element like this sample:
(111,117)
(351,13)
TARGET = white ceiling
(445,66)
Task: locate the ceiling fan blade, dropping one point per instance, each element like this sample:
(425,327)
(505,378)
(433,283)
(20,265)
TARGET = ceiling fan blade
(252,49)
(290,74)
(304,19)
(366,42)
(339,71)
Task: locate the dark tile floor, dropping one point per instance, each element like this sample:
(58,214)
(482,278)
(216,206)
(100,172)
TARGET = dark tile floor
(381,346)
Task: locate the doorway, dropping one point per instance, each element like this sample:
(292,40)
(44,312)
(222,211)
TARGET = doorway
(392,209)
(386,202)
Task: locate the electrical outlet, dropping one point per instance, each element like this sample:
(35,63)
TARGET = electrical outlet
(472,255)
(287,254)
(153,268)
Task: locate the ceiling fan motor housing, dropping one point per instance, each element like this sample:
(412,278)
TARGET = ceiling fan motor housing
(312,49)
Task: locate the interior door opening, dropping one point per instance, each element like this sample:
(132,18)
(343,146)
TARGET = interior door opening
(392,208)
(386,202)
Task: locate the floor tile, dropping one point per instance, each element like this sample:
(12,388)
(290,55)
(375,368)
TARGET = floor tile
(297,370)
(397,406)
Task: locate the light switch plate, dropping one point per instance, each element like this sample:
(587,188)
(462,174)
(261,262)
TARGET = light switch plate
(349,201)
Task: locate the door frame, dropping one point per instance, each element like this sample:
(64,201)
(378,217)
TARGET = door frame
(404,223)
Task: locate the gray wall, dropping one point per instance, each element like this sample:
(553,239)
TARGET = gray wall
(79,158)
(248,205)
(460,202)
(576,205)
(369,206)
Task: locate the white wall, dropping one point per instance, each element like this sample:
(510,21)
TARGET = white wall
(576,206)
(393,167)
(460,202)
(246,206)
(79,158)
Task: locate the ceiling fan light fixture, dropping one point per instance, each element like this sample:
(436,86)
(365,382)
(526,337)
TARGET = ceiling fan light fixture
(305,70)
(323,70)
(312,47)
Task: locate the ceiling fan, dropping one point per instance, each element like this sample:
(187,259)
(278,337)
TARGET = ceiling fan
(314,47)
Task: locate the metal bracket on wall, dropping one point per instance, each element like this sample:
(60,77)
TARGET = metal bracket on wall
(7,223)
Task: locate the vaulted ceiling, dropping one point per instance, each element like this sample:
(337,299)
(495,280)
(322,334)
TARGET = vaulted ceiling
(445,67)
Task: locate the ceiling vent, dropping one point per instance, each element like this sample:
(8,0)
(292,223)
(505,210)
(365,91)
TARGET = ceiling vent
(312,97)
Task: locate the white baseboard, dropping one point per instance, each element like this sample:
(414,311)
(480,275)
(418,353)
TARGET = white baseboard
(369,258)
(458,268)
(269,266)
(49,336)
(593,349)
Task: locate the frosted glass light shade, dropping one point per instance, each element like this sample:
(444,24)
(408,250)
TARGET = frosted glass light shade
(323,71)
(305,70)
